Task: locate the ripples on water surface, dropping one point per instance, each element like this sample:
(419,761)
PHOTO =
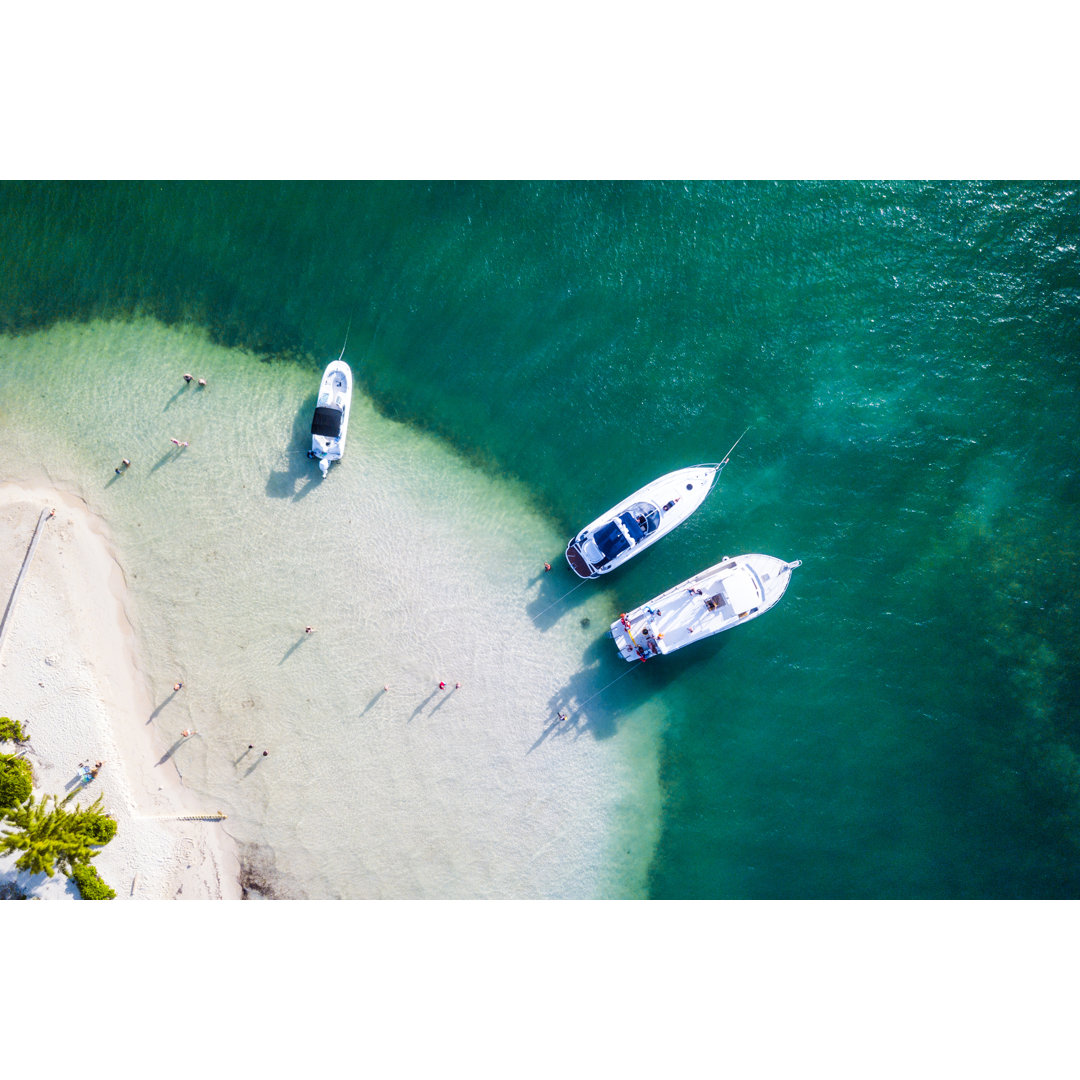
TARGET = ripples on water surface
(903,723)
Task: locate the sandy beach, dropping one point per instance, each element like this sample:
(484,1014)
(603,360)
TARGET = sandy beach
(205,565)
(70,674)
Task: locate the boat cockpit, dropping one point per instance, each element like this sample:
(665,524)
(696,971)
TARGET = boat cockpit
(645,516)
(618,535)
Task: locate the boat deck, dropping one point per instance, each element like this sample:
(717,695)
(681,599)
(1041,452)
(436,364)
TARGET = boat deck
(716,599)
(577,562)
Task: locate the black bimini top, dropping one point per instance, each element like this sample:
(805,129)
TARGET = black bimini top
(326,422)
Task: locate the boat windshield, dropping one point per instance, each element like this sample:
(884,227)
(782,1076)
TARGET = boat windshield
(641,519)
(633,528)
(326,422)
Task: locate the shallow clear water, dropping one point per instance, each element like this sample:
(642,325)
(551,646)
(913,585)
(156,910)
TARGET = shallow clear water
(903,723)
(413,568)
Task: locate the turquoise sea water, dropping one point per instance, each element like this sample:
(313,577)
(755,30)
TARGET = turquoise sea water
(903,724)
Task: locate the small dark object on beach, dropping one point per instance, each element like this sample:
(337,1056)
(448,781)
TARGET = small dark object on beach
(266,753)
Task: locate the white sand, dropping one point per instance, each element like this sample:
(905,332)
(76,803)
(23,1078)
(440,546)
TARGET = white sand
(413,566)
(70,674)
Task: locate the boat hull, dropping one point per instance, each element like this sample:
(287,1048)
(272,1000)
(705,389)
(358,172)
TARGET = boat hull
(639,520)
(732,592)
(330,424)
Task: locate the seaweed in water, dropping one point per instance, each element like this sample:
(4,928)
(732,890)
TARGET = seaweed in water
(261,880)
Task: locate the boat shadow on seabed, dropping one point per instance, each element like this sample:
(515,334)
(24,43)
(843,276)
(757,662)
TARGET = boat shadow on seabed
(589,702)
(606,689)
(559,593)
(287,482)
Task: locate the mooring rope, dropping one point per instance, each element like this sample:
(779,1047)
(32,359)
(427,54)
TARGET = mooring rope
(561,599)
(581,705)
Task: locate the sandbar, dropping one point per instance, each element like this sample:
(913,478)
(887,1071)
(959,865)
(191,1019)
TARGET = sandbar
(70,673)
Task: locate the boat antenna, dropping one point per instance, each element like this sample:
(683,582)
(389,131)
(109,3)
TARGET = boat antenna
(727,456)
(347,342)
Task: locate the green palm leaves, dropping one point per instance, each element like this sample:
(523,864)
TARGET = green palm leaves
(11,730)
(51,837)
(16,781)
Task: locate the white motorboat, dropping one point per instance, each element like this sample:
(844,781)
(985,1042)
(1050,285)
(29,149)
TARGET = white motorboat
(734,591)
(641,519)
(330,423)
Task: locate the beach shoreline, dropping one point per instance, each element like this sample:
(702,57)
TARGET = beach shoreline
(414,567)
(71,674)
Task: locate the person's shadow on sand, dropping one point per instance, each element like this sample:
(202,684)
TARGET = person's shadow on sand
(172,401)
(254,765)
(449,695)
(154,714)
(172,750)
(78,780)
(169,455)
(292,648)
(373,702)
(423,705)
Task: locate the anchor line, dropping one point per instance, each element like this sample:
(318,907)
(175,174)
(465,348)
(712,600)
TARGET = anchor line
(560,600)
(348,328)
(633,667)
(727,456)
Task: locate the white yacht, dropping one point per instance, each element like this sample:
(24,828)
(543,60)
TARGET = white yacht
(330,423)
(736,590)
(641,519)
